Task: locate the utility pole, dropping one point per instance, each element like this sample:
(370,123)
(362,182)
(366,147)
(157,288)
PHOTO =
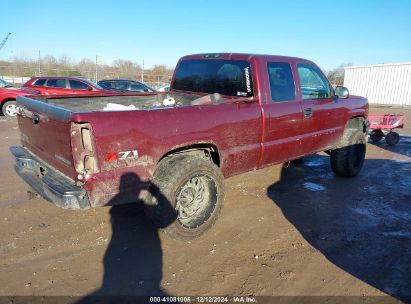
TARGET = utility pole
(96,77)
(142,73)
(39,71)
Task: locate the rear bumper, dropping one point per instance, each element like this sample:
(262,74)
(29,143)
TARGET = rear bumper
(48,182)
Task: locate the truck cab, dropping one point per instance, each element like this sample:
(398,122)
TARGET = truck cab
(299,110)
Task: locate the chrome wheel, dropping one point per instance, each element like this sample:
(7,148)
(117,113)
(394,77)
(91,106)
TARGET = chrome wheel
(196,201)
(11,110)
(187,196)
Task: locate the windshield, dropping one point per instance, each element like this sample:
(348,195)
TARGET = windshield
(92,83)
(4,84)
(150,88)
(227,77)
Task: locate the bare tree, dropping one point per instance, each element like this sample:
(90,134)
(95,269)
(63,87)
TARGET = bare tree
(336,75)
(127,68)
(65,66)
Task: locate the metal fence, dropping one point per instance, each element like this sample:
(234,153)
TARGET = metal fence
(23,74)
(15,80)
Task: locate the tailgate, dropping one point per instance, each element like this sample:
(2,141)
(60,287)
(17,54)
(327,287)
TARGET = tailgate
(45,131)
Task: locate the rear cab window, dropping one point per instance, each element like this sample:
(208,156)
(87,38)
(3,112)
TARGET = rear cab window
(57,83)
(226,77)
(281,78)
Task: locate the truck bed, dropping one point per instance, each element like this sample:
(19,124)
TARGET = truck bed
(137,102)
(73,136)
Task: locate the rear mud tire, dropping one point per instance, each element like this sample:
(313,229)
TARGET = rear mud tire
(187,197)
(348,158)
(392,138)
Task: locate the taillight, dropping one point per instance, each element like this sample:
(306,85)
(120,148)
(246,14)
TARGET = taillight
(90,164)
(83,148)
(86,139)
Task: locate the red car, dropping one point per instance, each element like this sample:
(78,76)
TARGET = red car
(8,99)
(54,85)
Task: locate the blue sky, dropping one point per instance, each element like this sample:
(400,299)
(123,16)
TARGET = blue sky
(327,32)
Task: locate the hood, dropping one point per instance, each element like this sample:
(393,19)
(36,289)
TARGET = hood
(20,91)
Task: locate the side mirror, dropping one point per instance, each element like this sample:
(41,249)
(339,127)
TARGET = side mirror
(342,92)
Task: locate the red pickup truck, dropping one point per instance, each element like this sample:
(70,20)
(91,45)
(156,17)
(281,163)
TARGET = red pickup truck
(225,114)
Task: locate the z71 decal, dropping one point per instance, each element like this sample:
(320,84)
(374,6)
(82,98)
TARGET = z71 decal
(128,154)
(122,155)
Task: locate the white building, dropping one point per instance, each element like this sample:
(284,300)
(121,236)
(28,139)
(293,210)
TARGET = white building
(388,84)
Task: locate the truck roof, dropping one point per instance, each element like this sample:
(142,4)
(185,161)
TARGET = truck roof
(242,56)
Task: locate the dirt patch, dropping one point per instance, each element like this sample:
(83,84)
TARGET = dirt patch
(283,231)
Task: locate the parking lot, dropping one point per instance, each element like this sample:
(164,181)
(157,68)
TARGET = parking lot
(284,230)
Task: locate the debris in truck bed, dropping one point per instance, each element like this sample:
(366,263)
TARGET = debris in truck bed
(118,107)
(169,101)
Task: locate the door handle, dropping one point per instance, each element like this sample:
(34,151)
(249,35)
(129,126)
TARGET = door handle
(308,112)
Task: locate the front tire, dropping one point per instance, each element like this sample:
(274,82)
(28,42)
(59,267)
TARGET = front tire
(9,109)
(348,158)
(297,161)
(187,197)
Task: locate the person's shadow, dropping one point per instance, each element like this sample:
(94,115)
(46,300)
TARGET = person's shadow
(362,224)
(133,259)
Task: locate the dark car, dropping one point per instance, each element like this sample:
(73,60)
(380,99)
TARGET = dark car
(125,85)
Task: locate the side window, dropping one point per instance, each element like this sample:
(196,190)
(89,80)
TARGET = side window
(78,85)
(56,83)
(120,85)
(40,82)
(106,84)
(313,83)
(281,81)
(137,87)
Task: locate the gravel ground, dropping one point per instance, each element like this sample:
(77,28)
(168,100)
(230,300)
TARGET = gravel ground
(284,231)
